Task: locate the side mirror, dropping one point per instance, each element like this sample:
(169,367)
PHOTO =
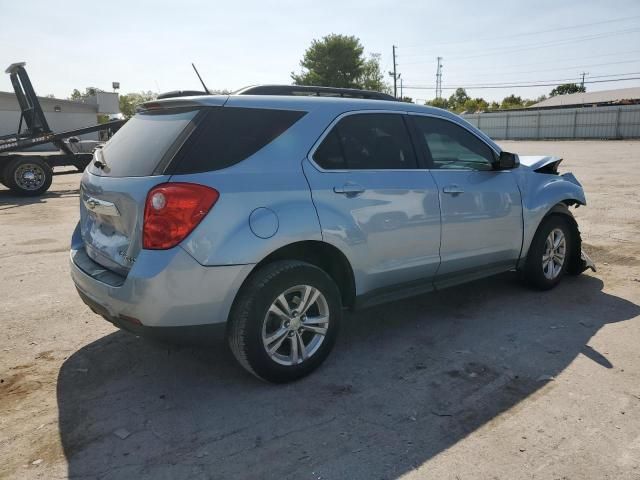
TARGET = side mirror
(507,161)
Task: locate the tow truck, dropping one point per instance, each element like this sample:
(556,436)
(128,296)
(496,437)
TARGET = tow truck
(29,172)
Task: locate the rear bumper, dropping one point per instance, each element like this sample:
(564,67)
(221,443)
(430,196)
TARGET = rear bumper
(165,288)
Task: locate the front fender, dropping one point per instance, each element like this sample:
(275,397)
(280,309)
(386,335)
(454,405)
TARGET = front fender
(540,193)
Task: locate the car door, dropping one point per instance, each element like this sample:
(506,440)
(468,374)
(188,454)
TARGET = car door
(481,206)
(373,201)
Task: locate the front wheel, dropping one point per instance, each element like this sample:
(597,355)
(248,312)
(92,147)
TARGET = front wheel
(28,176)
(549,253)
(285,321)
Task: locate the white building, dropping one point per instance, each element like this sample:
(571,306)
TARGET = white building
(62,115)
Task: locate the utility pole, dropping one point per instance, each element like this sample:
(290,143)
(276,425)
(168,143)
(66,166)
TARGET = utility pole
(583,75)
(395,78)
(400,78)
(439,79)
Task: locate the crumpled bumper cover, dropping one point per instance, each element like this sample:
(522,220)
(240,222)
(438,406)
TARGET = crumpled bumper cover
(586,262)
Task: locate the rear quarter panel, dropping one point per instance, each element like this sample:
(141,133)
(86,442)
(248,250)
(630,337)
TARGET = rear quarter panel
(271,178)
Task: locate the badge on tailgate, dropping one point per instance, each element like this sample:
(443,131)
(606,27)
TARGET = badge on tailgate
(101,207)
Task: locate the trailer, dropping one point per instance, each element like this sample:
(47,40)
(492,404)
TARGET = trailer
(29,173)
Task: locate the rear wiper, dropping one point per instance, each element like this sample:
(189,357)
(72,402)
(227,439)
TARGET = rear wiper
(99,163)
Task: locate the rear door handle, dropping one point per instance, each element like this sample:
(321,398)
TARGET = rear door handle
(349,189)
(453,189)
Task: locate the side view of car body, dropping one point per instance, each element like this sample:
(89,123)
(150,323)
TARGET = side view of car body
(270,214)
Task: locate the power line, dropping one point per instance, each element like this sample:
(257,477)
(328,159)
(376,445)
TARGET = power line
(537,45)
(621,19)
(573,67)
(416,87)
(566,59)
(556,80)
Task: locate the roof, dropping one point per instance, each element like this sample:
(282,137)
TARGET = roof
(325,108)
(589,98)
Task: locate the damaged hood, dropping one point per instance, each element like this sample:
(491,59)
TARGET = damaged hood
(536,162)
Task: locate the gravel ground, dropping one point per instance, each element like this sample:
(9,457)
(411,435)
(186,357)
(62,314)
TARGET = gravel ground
(486,380)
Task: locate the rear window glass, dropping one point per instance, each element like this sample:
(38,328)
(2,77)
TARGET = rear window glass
(228,135)
(139,146)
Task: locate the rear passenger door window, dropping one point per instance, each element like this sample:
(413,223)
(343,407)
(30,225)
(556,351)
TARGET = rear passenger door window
(367,141)
(451,146)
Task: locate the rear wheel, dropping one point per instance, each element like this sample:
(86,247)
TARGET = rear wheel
(549,253)
(285,321)
(28,176)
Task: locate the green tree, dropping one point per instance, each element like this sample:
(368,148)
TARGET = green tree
(88,92)
(511,102)
(372,77)
(475,105)
(567,88)
(406,99)
(437,102)
(335,61)
(457,100)
(130,101)
(494,105)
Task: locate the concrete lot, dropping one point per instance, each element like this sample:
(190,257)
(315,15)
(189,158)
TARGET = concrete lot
(452,385)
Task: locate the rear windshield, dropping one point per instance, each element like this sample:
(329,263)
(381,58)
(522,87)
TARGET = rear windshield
(142,143)
(228,135)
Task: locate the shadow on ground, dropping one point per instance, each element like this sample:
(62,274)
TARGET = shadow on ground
(9,200)
(406,381)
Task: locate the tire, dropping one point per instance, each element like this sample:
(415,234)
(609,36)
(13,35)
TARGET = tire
(3,171)
(540,271)
(253,322)
(28,176)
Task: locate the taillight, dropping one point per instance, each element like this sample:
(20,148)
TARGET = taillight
(172,211)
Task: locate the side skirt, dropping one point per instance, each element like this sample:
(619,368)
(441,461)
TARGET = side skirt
(419,287)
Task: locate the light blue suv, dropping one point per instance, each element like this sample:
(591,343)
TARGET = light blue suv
(270,214)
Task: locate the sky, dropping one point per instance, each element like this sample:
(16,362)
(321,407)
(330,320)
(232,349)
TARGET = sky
(149,45)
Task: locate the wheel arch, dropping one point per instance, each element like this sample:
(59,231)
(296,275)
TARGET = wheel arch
(324,256)
(562,209)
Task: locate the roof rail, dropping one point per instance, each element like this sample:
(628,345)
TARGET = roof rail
(304,90)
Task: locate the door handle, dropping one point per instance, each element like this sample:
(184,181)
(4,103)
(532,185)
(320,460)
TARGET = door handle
(453,189)
(349,189)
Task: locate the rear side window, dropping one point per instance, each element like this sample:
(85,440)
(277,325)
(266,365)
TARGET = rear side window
(140,145)
(369,141)
(228,135)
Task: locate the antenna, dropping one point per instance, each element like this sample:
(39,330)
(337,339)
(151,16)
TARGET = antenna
(206,90)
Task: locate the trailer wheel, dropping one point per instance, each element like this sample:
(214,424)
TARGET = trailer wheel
(28,176)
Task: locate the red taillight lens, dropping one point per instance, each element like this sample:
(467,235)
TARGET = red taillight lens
(172,211)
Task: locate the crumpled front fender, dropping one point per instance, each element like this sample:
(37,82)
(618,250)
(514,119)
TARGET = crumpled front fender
(540,193)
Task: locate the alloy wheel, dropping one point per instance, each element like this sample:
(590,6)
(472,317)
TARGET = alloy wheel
(555,250)
(295,325)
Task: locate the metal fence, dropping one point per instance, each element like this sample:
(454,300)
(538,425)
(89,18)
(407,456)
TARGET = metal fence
(591,122)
